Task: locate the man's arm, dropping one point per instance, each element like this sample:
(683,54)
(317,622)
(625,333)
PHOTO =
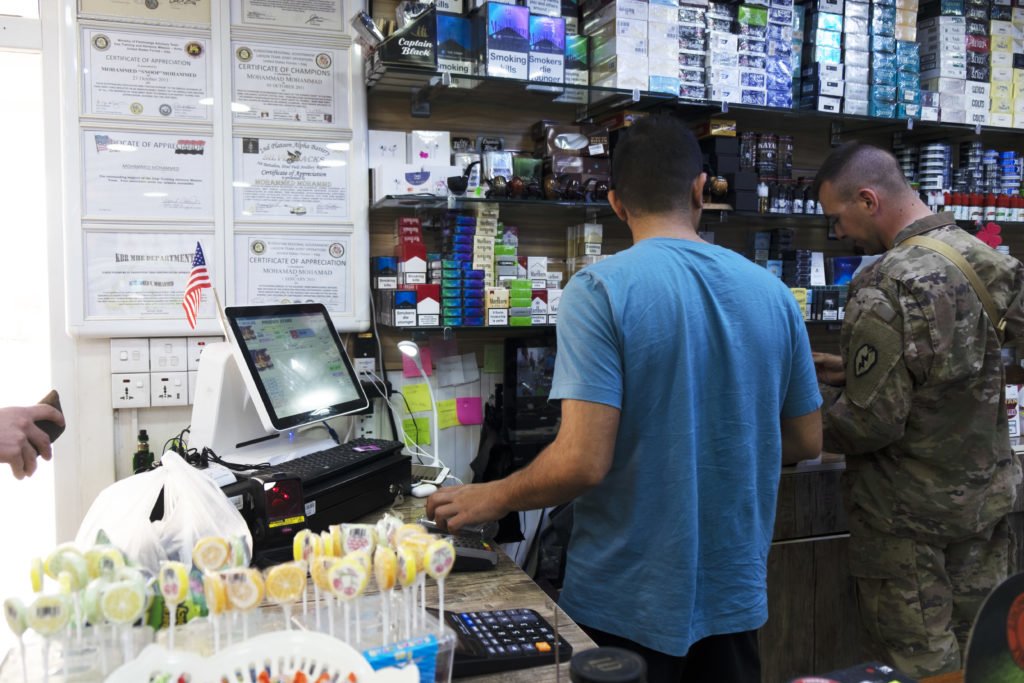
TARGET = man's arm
(801,438)
(577,460)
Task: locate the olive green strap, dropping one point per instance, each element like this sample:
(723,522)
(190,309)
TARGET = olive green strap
(960,262)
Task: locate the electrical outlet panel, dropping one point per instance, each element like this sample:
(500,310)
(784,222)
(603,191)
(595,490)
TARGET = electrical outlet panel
(168,354)
(193,377)
(168,389)
(130,390)
(129,355)
(195,348)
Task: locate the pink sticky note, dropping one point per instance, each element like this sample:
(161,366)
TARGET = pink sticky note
(409,367)
(469,411)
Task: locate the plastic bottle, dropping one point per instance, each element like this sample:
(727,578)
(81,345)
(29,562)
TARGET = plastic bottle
(143,458)
(798,197)
(762,197)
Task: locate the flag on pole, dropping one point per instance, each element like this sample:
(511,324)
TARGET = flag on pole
(198,280)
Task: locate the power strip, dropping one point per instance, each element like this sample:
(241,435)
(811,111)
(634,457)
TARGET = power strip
(366,426)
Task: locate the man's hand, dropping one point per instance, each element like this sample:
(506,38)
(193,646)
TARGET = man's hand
(21,440)
(830,369)
(453,507)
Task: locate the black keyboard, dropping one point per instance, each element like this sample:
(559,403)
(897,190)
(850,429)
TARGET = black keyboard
(337,460)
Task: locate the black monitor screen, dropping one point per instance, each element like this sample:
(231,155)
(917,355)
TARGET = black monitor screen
(529,369)
(297,362)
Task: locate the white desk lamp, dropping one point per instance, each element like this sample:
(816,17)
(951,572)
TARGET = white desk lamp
(412,350)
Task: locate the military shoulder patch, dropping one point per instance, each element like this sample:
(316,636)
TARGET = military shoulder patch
(864,359)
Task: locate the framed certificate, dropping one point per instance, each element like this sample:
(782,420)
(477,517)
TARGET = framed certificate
(290,180)
(167,11)
(142,275)
(324,15)
(288,84)
(282,269)
(147,175)
(145,74)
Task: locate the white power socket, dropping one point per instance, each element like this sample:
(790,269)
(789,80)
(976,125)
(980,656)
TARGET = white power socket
(129,355)
(169,389)
(130,390)
(366,426)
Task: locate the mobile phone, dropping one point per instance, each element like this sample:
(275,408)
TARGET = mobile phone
(52,429)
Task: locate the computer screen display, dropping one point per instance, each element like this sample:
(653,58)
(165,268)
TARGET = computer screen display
(535,367)
(297,362)
(529,370)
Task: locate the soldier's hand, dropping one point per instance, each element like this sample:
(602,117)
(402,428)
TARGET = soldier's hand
(829,368)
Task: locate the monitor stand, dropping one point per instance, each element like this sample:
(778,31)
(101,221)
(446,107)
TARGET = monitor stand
(225,419)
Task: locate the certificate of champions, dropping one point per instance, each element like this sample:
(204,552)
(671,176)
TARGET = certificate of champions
(147,175)
(141,274)
(319,14)
(288,179)
(288,84)
(293,269)
(145,74)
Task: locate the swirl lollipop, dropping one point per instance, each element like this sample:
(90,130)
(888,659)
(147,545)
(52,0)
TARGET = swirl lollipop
(211,553)
(438,561)
(348,578)
(14,612)
(385,571)
(285,584)
(47,616)
(173,584)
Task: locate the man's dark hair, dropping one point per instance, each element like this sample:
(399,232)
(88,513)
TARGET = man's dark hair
(654,165)
(855,165)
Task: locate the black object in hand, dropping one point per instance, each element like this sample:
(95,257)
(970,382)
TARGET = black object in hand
(52,429)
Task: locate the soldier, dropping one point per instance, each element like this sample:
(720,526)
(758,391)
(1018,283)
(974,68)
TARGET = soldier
(916,404)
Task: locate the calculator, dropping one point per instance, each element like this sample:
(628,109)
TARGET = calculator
(503,640)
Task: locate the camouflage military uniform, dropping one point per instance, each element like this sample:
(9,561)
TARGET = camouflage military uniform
(922,420)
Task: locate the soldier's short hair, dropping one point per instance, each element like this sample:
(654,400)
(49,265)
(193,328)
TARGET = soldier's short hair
(855,165)
(654,165)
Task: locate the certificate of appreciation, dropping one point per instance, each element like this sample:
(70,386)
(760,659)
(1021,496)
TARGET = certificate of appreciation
(287,179)
(147,175)
(141,274)
(293,269)
(172,11)
(145,74)
(320,14)
(288,84)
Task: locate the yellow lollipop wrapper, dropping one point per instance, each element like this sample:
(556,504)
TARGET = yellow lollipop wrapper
(211,553)
(318,571)
(355,537)
(418,545)
(216,593)
(123,602)
(104,561)
(37,574)
(14,612)
(407,530)
(285,583)
(245,588)
(54,564)
(385,568)
(363,558)
(387,525)
(336,540)
(439,558)
(91,601)
(48,614)
(305,546)
(348,578)
(407,566)
(173,582)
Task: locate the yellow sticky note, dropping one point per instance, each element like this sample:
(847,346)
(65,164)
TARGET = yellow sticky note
(417,432)
(446,414)
(418,397)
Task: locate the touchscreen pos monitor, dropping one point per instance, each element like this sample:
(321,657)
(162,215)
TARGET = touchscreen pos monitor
(283,367)
(529,370)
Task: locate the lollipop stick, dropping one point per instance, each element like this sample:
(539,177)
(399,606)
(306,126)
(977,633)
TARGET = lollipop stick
(359,629)
(245,625)
(216,633)
(305,608)
(46,660)
(127,646)
(348,622)
(330,614)
(77,602)
(172,617)
(316,606)
(287,609)
(440,607)
(407,616)
(386,625)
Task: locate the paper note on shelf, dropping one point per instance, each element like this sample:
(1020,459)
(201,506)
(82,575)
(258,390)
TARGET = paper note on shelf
(417,432)
(449,371)
(417,396)
(469,410)
(470,370)
(409,368)
(447,414)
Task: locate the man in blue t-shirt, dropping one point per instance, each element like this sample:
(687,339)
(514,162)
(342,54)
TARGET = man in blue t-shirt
(686,380)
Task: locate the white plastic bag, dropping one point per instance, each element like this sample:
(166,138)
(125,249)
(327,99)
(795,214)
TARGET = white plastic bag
(194,506)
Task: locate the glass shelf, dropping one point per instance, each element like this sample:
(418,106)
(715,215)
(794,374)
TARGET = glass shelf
(463,328)
(433,203)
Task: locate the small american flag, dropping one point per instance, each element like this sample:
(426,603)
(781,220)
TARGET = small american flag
(198,280)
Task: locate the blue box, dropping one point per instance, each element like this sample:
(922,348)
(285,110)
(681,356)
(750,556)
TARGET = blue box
(504,38)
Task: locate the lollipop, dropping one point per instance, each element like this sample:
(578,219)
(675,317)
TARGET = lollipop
(285,584)
(240,554)
(216,594)
(104,561)
(173,583)
(14,611)
(55,560)
(387,525)
(358,537)
(48,615)
(327,543)
(385,571)
(407,566)
(37,574)
(407,530)
(418,544)
(211,553)
(438,561)
(348,578)
(245,592)
(336,539)
(319,571)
